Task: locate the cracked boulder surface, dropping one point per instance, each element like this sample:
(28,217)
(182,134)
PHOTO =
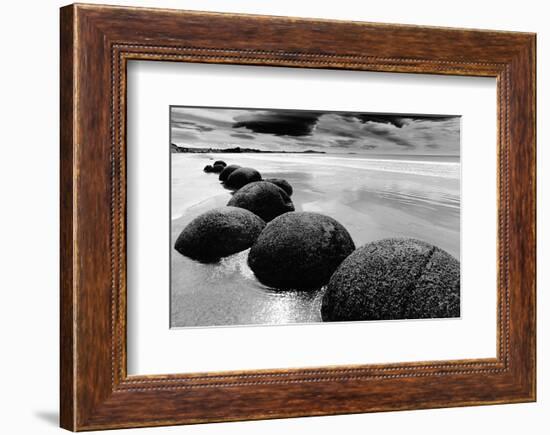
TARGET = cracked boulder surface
(394,279)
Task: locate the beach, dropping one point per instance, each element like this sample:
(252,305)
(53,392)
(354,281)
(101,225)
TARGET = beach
(374,197)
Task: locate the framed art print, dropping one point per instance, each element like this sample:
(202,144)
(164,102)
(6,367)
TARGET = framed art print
(343,173)
(287,217)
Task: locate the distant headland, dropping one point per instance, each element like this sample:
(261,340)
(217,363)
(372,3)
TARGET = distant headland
(177,149)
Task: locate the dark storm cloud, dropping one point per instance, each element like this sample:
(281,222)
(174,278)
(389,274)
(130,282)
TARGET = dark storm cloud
(279,123)
(242,136)
(320,131)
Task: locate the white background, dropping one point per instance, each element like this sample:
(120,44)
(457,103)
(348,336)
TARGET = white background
(155,349)
(29,231)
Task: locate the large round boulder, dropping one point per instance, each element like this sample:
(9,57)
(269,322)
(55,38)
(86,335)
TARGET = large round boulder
(283,184)
(394,279)
(241,177)
(299,250)
(263,199)
(218,233)
(217,169)
(227,172)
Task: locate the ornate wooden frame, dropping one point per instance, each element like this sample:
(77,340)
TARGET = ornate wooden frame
(96,43)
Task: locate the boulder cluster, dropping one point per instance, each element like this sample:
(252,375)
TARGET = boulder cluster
(227,230)
(217,167)
(388,279)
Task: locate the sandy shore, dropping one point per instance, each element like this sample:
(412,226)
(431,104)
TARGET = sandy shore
(373,198)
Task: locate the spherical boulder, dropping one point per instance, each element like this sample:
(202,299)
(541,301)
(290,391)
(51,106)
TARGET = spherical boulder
(227,172)
(283,184)
(394,279)
(217,169)
(299,250)
(263,199)
(220,162)
(218,233)
(208,168)
(241,177)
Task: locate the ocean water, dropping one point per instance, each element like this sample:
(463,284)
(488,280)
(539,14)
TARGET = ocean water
(374,197)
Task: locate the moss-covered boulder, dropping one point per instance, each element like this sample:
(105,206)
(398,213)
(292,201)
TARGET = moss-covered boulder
(394,279)
(283,184)
(218,233)
(241,177)
(299,250)
(263,199)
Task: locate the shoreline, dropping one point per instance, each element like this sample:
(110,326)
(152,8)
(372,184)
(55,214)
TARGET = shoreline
(371,204)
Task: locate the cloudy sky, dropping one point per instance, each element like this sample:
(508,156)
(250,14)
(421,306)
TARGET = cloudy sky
(332,132)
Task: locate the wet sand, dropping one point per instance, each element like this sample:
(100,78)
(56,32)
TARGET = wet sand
(373,197)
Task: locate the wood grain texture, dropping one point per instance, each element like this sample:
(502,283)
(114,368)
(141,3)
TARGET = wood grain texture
(96,44)
(67,254)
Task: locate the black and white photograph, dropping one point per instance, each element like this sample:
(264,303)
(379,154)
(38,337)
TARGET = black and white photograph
(294,216)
